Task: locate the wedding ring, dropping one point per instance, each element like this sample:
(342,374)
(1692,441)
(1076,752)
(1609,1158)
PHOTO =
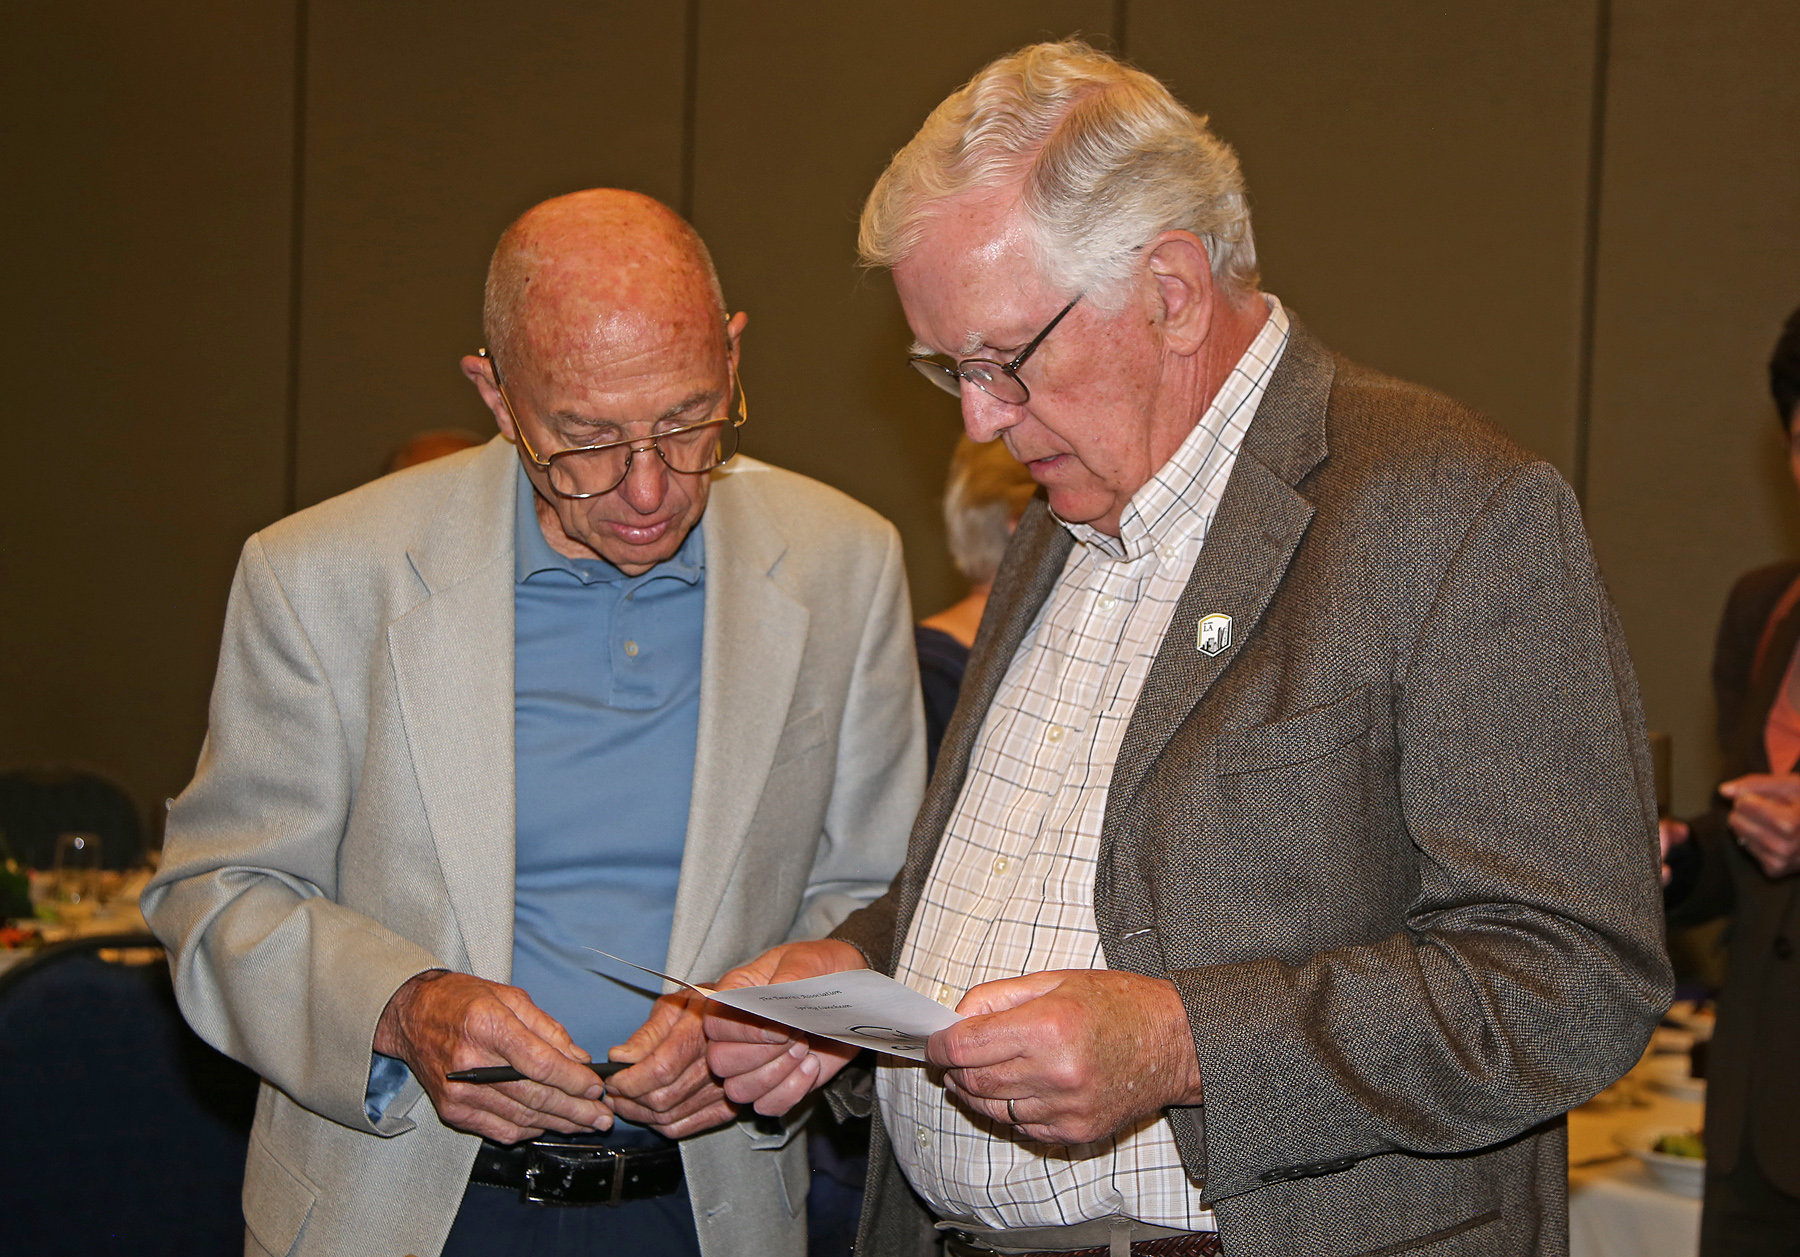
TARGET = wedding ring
(1010,1115)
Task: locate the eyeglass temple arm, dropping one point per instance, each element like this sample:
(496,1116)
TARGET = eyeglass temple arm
(1039,338)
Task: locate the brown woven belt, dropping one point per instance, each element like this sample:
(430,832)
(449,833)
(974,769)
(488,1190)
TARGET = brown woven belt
(1198,1244)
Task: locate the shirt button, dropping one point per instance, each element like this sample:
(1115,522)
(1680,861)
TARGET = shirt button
(944,993)
(1054,733)
(631,648)
(924,1138)
(1001,864)
(1169,552)
(1107,602)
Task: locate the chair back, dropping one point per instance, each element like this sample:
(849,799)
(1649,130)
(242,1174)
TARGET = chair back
(125,1132)
(37,805)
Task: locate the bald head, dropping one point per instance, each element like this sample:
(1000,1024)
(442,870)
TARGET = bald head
(587,273)
(606,327)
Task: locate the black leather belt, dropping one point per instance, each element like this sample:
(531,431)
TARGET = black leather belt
(549,1172)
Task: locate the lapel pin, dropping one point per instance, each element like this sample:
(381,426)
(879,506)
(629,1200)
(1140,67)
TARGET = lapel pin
(1213,637)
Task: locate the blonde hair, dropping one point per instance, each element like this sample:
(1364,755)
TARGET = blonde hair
(1105,159)
(987,491)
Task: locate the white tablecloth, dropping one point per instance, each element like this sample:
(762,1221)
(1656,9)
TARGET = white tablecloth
(1615,1208)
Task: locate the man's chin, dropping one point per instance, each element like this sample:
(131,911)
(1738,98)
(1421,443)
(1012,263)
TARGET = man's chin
(632,557)
(1073,506)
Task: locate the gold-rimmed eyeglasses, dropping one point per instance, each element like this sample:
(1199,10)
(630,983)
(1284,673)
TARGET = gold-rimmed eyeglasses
(996,379)
(590,471)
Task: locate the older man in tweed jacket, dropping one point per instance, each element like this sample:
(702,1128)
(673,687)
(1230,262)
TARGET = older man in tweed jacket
(1292,848)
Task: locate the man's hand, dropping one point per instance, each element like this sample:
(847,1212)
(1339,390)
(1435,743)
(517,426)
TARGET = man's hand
(1765,816)
(668,1086)
(1080,1053)
(441,1021)
(1670,834)
(767,1066)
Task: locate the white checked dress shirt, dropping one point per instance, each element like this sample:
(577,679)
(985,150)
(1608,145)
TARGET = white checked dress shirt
(1012,889)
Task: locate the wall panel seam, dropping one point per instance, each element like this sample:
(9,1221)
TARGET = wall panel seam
(290,491)
(1590,262)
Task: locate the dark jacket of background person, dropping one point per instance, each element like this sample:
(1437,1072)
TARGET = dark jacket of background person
(1394,845)
(1753,1079)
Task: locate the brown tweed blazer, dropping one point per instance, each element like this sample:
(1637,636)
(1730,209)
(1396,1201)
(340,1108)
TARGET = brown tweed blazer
(1396,845)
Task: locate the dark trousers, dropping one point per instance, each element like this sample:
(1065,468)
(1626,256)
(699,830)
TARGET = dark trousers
(496,1222)
(1745,1215)
(840,1163)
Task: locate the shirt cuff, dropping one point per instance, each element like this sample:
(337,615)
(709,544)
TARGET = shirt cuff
(387,1077)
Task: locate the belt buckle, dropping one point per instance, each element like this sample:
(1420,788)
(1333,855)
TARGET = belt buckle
(565,1174)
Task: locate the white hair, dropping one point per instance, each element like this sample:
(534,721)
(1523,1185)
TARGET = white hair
(1104,157)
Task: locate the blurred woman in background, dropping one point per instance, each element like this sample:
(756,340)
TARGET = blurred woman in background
(983,499)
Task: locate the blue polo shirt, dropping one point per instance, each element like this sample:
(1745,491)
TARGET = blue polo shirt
(606,709)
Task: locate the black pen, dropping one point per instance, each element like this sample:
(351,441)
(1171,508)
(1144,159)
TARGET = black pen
(506,1073)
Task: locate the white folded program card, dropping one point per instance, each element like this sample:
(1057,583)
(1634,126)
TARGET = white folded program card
(858,1006)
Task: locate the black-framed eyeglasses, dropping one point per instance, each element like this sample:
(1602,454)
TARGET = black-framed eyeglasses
(996,379)
(589,471)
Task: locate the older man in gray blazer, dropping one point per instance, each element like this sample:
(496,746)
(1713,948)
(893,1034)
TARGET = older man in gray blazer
(1291,851)
(608,691)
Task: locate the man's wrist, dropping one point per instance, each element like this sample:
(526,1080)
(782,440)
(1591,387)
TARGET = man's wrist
(1187,1088)
(852,954)
(391,1038)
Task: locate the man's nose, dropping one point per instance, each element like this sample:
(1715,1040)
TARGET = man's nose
(646,481)
(986,416)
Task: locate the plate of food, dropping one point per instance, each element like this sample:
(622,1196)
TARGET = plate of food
(1676,1159)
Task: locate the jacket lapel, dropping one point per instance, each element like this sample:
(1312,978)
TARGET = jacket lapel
(1260,522)
(754,639)
(453,670)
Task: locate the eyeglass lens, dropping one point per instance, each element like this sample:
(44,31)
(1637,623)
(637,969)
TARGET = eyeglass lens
(689,450)
(990,377)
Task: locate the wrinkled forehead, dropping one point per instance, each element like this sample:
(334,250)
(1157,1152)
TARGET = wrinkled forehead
(973,279)
(653,322)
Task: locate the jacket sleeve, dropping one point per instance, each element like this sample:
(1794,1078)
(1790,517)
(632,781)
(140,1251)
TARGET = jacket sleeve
(880,769)
(268,968)
(1528,968)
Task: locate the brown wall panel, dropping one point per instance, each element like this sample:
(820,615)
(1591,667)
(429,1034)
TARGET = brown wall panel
(147,159)
(1699,265)
(1419,174)
(800,107)
(429,128)
(1418,177)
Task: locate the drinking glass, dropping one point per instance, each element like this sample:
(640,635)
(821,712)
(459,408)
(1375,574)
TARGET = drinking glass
(75,872)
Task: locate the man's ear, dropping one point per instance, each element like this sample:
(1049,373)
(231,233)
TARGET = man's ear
(734,332)
(481,374)
(1177,264)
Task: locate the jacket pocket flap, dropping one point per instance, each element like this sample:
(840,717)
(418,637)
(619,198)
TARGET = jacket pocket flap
(277,1201)
(1306,735)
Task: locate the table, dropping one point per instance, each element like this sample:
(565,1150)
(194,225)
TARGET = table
(1615,1208)
(119,915)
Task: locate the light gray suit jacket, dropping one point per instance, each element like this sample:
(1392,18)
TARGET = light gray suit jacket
(1395,844)
(351,821)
